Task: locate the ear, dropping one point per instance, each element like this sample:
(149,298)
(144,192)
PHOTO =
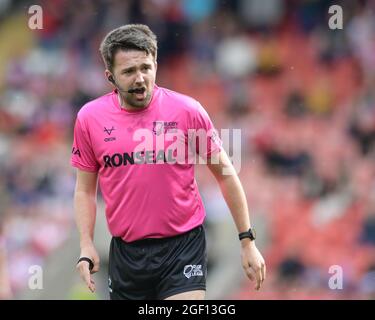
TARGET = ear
(107,75)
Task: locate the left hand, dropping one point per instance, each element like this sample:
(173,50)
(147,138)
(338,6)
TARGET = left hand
(253,262)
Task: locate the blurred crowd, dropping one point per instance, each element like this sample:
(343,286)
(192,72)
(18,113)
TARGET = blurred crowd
(302,94)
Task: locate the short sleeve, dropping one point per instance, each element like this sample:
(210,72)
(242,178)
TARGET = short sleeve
(82,153)
(208,141)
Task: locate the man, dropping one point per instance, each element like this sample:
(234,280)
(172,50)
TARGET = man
(153,208)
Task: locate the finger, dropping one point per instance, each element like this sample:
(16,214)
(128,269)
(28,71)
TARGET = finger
(92,286)
(89,281)
(259,278)
(264,271)
(250,273)
(85,272)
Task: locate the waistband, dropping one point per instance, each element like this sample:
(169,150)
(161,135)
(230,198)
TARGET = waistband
(160,240)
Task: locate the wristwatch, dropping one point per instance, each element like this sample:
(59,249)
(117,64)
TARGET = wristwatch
(251,234)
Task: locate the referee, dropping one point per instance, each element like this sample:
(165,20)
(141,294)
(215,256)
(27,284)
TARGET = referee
(153,208)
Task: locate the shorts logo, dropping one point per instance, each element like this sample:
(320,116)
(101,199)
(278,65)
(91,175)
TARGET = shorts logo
(192,270)
(110,285)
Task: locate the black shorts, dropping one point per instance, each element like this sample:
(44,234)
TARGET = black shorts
(157,268)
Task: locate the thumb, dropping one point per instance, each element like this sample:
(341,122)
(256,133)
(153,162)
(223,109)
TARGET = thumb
(89,281)
(86,276)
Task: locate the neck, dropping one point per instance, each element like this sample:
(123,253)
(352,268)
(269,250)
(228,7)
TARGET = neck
(122,104)
(120,100)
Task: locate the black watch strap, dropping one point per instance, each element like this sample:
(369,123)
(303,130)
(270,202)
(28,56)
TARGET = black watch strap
(91,264)
(247,234)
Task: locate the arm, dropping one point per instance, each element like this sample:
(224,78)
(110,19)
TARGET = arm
(234,195)
(85,216)
(5,289)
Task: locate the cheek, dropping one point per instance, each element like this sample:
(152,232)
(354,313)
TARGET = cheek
(123,80)
(152,78)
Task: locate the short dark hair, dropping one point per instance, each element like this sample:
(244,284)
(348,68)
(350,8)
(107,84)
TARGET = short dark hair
(128,37)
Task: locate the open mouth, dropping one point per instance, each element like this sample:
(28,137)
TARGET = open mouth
(138,90)
(140,93)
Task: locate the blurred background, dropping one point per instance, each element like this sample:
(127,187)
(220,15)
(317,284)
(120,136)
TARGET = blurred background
(302,94)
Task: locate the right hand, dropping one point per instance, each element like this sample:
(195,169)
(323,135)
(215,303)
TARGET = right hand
(83,266)
(253,262)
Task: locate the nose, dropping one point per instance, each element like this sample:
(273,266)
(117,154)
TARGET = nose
(139,78)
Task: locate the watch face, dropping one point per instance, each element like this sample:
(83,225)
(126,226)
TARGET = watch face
(253,233)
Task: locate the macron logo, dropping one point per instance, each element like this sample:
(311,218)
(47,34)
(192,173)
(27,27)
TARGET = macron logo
(192,270)
(109,131)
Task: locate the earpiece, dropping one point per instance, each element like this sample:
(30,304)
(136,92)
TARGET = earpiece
(110,79)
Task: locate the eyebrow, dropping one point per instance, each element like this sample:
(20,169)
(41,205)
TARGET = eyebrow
(133,68)
(128,69)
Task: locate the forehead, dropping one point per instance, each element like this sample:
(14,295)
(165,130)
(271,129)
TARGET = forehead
(131,58)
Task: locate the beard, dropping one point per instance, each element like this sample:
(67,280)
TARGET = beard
(132,100)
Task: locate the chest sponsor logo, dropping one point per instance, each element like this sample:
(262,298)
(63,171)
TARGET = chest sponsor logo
(140,157)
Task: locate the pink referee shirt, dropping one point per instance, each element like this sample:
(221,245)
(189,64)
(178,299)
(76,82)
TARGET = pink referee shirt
(146,193)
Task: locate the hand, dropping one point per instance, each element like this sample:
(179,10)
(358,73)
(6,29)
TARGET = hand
(83,266)
(253,262)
